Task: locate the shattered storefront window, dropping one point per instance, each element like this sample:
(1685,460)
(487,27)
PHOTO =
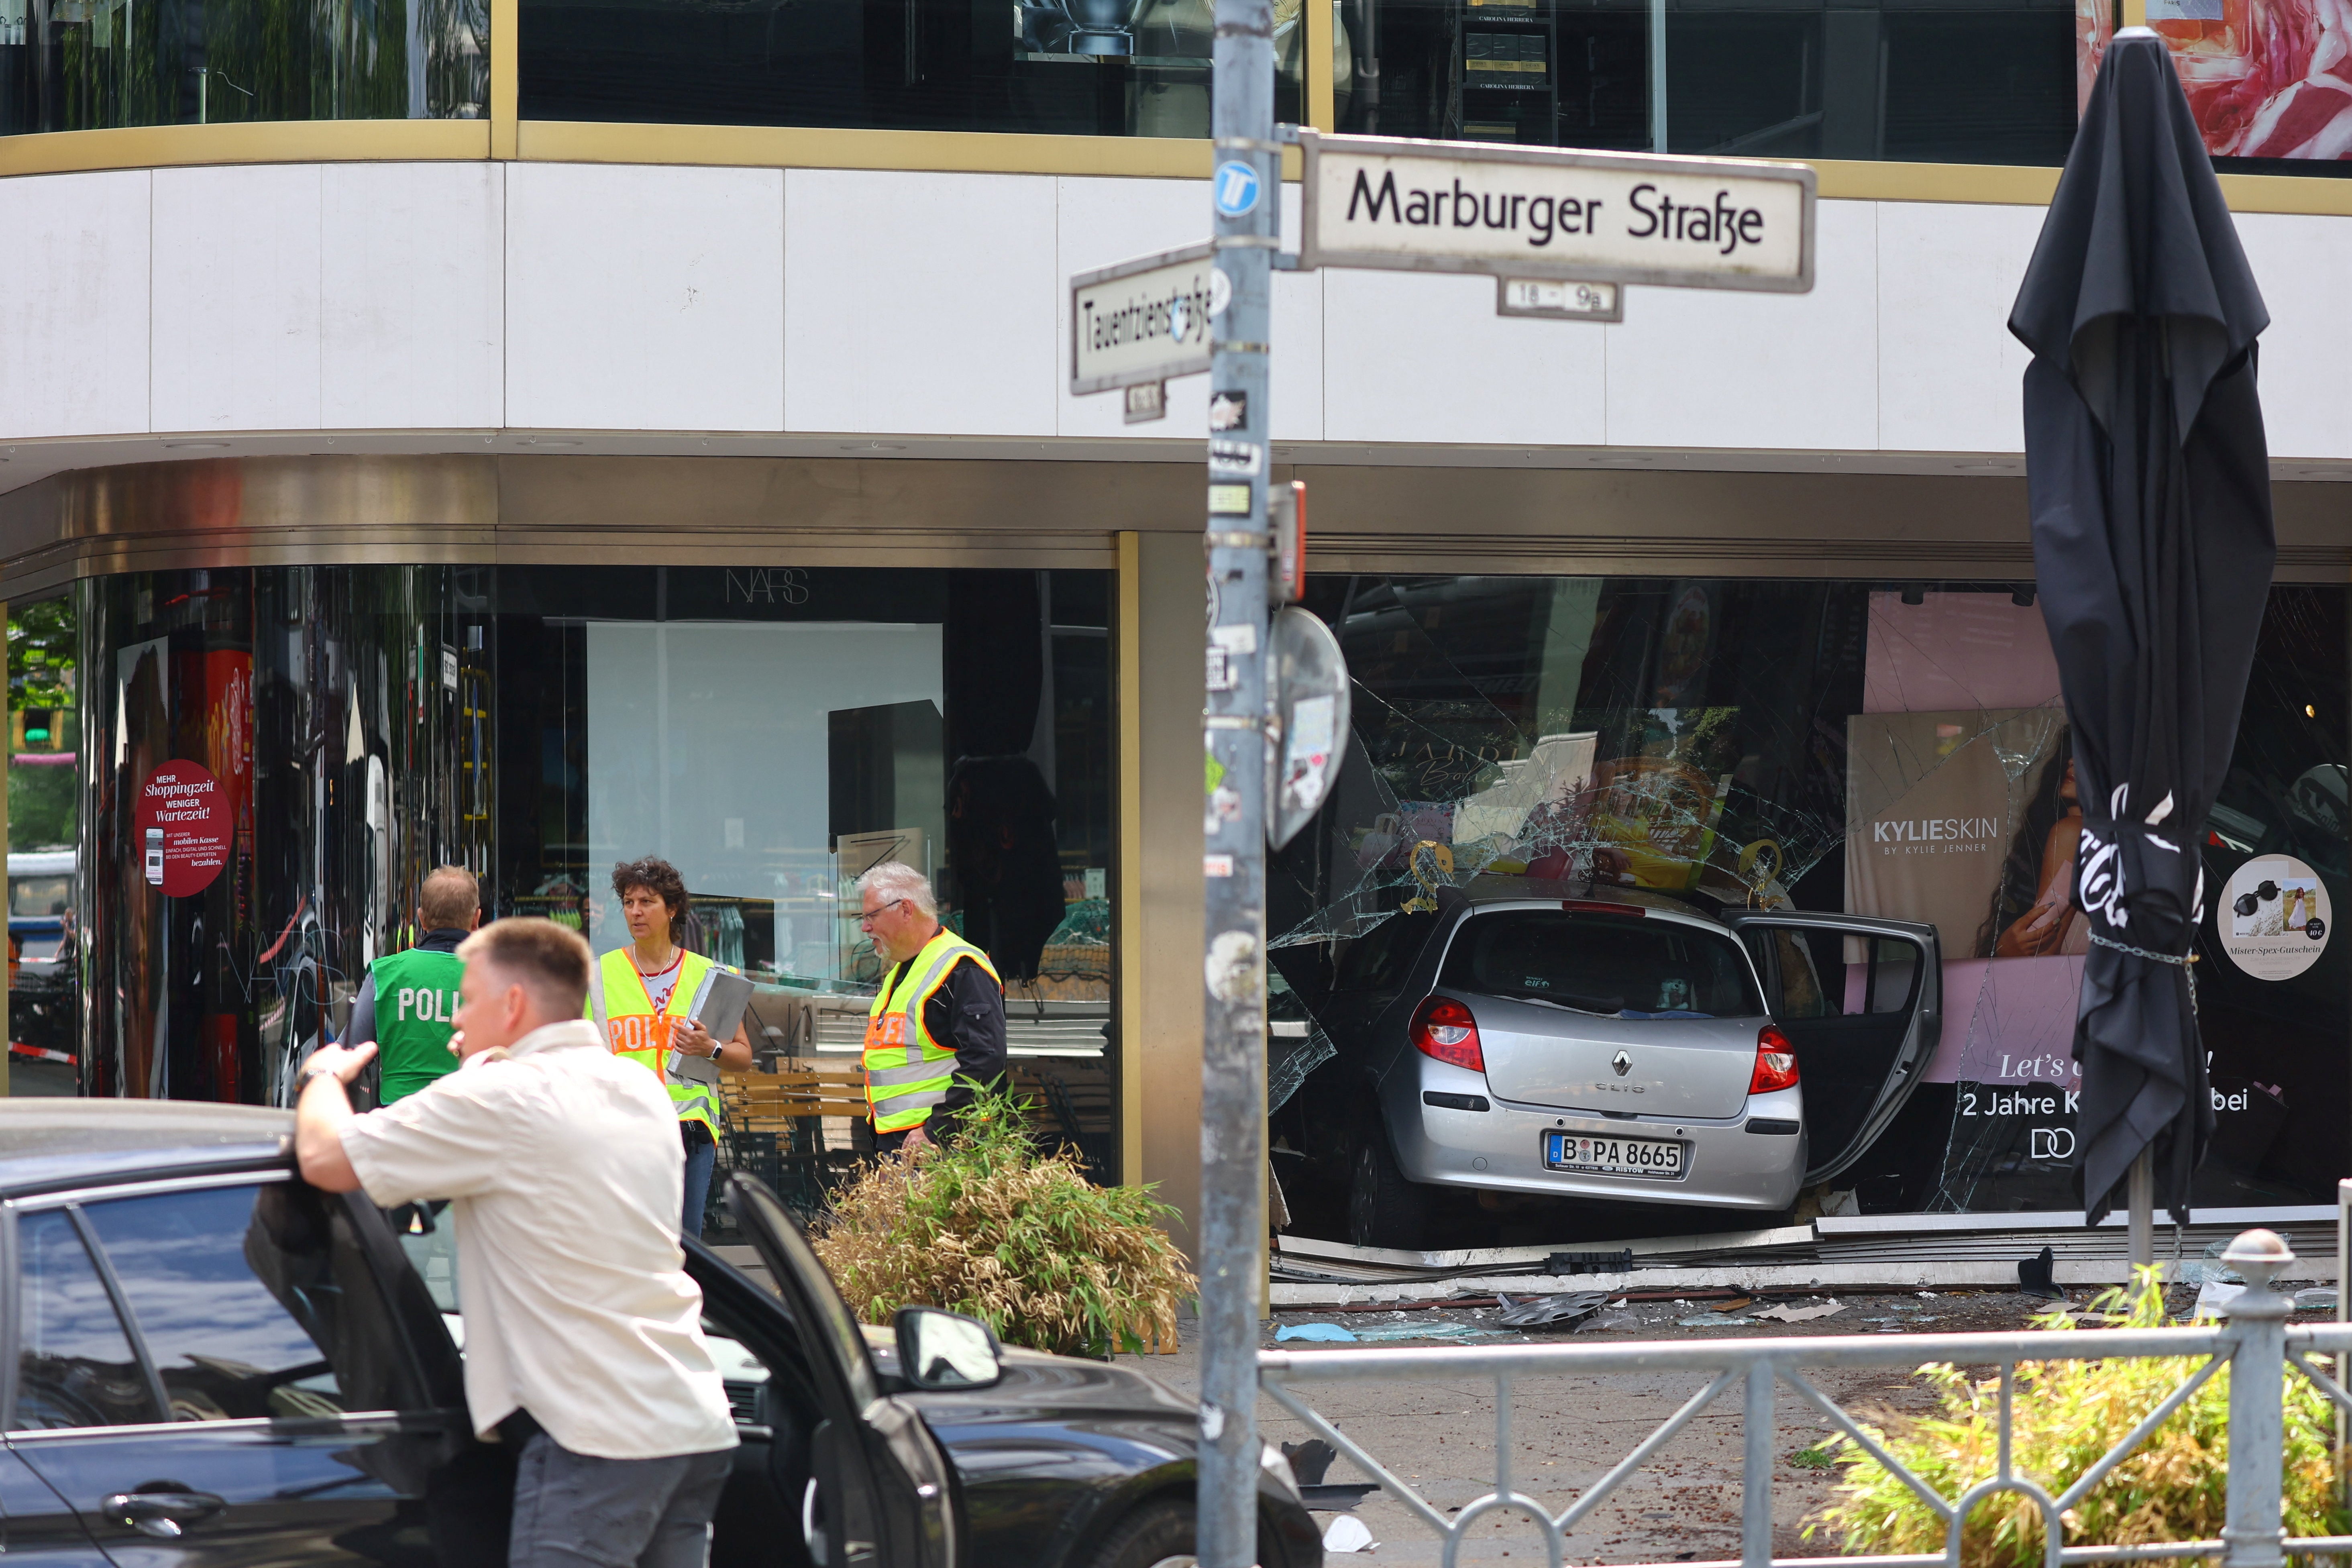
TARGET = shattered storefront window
(1823,746)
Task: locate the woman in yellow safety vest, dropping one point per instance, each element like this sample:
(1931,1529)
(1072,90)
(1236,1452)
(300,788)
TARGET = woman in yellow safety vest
(643,997)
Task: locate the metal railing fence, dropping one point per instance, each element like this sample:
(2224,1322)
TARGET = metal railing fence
(2256,1342)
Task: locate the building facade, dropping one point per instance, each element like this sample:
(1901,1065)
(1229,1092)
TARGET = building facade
(535,434)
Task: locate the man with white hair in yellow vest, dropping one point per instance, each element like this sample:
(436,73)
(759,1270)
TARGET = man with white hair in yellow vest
(935,1034)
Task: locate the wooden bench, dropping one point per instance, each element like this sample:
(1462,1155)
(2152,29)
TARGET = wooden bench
(770,1102)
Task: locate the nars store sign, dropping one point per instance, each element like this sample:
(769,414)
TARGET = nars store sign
(1533,212)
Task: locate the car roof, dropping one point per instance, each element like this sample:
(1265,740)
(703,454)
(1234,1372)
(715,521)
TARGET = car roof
(1486,888)
(47,1143)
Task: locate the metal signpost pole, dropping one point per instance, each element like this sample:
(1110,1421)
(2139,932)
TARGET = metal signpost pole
(1246,194)
(1577,227)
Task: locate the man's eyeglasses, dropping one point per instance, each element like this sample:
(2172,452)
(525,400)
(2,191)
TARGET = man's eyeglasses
(867,917)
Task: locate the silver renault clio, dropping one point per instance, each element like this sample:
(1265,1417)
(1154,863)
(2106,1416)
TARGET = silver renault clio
(1562,1041)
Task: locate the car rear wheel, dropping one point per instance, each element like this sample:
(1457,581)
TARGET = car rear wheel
(1384,1209)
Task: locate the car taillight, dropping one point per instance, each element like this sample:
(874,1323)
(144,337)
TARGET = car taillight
(1444,1030)
(1776,1062)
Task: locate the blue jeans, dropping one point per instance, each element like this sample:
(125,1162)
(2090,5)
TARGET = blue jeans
(574,1511)
(701,1154)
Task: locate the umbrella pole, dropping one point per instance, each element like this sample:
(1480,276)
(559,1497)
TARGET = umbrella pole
(2142,1204)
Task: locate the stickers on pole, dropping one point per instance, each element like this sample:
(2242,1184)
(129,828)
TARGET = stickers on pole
(2273,917)
(183,823)
(1236,188)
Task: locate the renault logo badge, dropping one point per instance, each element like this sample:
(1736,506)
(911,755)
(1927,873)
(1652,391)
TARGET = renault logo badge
(1622,1063)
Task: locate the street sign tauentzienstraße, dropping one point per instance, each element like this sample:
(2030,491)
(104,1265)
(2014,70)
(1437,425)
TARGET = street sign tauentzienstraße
(1141,321)
(1535,212)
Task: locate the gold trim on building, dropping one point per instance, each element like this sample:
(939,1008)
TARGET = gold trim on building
(812,147)
(2001,186)
(1127,706)
(503,135)
(505,92)
(263,141)
(1315,61)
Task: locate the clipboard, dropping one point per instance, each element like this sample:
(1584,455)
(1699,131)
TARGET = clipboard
(718,1007)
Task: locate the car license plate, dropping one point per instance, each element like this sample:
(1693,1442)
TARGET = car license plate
(1659,1159)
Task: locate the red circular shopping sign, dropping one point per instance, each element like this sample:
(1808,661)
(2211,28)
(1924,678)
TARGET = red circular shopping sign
(183,828)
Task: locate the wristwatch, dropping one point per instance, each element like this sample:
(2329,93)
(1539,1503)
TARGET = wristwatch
(302,1079)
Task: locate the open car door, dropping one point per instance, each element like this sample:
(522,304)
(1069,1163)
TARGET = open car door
(879,1496)
(1862,1000)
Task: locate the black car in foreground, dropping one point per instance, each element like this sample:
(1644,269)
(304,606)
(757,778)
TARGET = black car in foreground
(205,1362)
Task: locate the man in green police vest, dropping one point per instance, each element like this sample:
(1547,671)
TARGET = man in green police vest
(406,1002)
(936,1031)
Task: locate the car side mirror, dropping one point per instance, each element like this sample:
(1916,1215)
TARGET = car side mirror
(940,1350)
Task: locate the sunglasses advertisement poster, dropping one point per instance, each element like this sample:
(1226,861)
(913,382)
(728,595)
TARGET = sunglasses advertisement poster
(2274,920)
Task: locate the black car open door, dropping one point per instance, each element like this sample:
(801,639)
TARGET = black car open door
(879,1493)
(1863,1001)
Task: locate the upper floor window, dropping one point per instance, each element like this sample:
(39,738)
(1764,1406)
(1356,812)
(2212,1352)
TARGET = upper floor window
(1939,82)
(1087,67)
(1975,81)
(92,65)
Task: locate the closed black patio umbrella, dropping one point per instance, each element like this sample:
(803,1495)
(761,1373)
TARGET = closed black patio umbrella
(2150,483)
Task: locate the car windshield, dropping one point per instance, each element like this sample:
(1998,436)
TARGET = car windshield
(1622,966)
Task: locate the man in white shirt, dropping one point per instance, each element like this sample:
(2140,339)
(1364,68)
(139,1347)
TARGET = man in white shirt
(564,1167)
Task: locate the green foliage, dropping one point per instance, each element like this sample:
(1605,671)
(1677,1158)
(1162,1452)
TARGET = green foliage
(2067,1413)
(43,803)
(991,1225)
(41,654)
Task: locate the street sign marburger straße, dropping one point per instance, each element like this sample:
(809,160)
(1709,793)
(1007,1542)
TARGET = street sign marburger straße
(1141,321)
(1396,204)
(1517,212)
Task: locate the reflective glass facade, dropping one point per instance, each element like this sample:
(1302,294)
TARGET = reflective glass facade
(1867,748)
(1907,80)
(1931,83)
(328,735)
(1108,68)
(88,65)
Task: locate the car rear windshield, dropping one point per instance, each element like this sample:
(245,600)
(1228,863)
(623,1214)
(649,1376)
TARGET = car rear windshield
(1622,966)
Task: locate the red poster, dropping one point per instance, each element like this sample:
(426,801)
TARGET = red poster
(183,826)
(2264,78)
